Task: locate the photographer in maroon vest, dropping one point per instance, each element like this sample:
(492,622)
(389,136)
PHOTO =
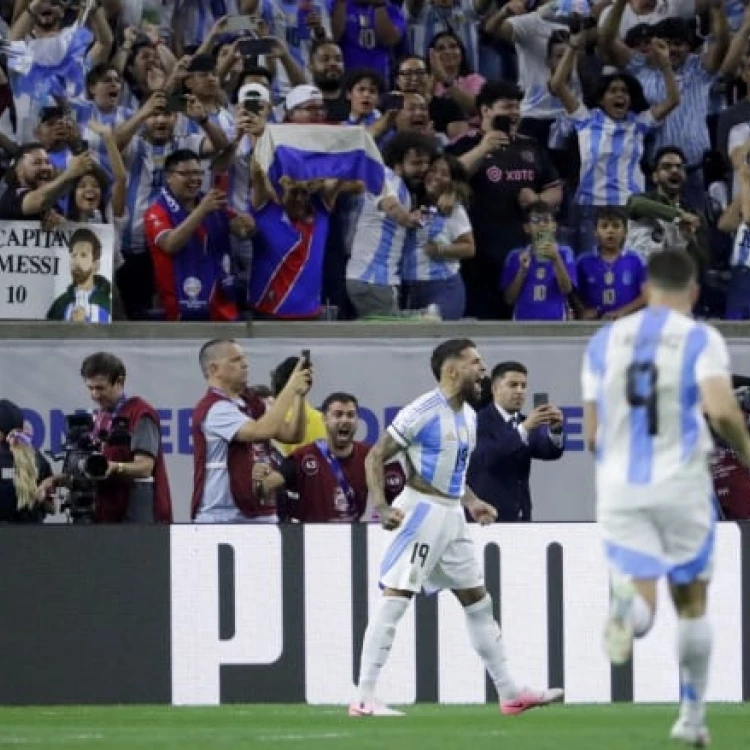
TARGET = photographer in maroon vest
(232,432)
(135,487)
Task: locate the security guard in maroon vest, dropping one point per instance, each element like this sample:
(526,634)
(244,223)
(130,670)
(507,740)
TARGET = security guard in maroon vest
(232,431)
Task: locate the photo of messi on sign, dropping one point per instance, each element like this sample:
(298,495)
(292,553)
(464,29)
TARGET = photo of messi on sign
(59,274)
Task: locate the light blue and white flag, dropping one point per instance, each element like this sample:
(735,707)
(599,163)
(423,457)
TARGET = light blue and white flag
(314,152)
(50,68)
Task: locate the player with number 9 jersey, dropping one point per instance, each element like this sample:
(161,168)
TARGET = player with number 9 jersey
(643,372)
(647,381)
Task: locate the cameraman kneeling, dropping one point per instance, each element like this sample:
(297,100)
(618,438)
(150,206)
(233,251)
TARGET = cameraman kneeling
(21,469)
(127,430)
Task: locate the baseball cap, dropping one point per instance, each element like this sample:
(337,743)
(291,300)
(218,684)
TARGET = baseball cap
(201,64)
(253,91)
(640,33)
(303,94)
(47,114)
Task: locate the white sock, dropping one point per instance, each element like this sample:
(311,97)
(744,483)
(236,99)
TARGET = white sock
(641,616)
(485,637)
(376,646)
(694,641)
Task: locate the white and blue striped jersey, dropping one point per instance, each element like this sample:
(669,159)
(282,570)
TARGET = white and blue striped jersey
(145,164)
(741,250)
(378,245)
(461,19)
(611,153)
(685,126)
(644,372)
(442,230)
(437,440)
(86,111)
(224,118)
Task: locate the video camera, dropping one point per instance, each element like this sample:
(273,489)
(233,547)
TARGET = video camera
(84,464)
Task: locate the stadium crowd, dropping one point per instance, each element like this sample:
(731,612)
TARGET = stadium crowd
(536,154)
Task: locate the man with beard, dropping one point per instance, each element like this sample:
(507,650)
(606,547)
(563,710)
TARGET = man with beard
(188,235)
(145,156)
(327,66)
(89,298)
(32,192)
(661,219)
(373,274)
(430,546)
(508,440)
(325,480)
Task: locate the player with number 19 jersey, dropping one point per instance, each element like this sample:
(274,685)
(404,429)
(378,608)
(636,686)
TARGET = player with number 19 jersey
(652,443)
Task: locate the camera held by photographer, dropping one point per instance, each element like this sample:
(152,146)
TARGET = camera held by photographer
(113,467)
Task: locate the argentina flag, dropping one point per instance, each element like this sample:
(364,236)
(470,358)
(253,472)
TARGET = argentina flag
(47,68)
(314,152)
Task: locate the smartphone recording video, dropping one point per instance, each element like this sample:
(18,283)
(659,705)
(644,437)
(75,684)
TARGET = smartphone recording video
(392,102)
(255,47)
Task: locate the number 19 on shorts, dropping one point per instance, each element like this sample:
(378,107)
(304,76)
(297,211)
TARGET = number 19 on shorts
(419,554)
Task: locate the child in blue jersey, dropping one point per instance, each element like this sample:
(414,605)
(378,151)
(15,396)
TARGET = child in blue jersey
(538,278)
(610,277)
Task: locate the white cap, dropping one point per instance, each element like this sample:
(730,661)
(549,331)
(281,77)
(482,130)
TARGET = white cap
(303,94)
(253,91)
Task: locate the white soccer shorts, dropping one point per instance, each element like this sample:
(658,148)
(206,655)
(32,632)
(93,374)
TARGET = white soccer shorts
(432,549)
(673,537)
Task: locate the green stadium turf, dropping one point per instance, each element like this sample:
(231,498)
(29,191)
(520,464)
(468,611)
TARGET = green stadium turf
(620,727)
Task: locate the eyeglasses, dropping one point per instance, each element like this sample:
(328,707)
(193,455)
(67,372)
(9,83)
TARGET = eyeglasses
(187,173)
(669,165)
(540,219)
(418,73)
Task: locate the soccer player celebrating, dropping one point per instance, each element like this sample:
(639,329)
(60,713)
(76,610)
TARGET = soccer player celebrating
(430,546)
(647,381)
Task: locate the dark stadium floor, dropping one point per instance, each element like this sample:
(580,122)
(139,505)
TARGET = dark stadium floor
(621,727)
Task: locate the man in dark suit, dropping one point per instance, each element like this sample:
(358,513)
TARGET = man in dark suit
(507,440)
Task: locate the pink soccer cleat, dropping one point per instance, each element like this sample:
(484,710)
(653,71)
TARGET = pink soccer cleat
(528,699)
(372,708)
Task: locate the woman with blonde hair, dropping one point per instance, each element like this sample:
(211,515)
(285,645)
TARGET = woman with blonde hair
(22,467)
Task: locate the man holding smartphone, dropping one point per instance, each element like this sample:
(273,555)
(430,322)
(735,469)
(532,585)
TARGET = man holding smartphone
(508,440)
(508,173)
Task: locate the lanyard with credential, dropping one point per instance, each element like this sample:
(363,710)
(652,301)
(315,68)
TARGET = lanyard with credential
(105,418)
(338,472)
